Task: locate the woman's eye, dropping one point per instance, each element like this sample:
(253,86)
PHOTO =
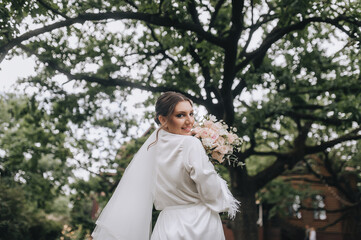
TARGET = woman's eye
(183,115)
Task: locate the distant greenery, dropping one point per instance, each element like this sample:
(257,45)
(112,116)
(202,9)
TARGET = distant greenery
(20,219)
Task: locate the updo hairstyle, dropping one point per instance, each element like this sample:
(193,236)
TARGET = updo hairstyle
(165,106)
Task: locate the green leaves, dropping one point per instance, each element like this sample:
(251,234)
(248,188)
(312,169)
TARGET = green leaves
(279,195)
(33,147)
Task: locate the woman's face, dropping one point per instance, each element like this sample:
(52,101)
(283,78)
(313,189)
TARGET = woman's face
(181,120)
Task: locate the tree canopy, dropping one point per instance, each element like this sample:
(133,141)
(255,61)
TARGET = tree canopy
(302,56)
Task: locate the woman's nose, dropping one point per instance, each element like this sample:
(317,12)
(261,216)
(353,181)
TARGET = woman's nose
(189,119)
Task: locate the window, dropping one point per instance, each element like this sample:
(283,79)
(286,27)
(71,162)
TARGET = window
(318,203)
(294,209)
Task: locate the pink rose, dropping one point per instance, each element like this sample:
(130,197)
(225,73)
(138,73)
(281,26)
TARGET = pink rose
(196,131)
(214,136)
(207,132)
(221,141)
(217,126)
(230,138)
(218,156)
(223,149)
(208,124)
(203,133)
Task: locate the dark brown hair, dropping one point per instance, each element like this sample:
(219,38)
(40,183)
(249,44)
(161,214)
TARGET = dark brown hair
(165,106)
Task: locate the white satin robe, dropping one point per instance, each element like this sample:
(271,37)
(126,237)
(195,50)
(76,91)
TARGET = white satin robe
(188,191)
(176,176)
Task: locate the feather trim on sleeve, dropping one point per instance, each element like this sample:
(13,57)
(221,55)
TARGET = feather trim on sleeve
(232,203)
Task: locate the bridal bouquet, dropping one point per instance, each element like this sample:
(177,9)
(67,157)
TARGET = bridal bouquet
(218,139)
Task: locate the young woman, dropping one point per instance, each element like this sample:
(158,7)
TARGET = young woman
(172,171)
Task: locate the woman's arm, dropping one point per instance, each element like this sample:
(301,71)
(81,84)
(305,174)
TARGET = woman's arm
(212,189)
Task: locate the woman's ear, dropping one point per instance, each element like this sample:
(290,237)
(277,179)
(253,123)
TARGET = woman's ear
(162,120)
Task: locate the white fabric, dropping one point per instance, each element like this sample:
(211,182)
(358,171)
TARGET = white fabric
(193,222)
(128,214)
(312,235)
(186,188)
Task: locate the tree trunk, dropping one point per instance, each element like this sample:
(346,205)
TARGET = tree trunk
(245,225)
(351,226)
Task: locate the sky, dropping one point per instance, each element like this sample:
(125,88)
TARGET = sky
(10,71)
(19,67)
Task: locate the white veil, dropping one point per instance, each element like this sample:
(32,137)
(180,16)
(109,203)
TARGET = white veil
(128,214)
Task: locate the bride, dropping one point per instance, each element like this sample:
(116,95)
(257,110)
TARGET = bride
(172,171)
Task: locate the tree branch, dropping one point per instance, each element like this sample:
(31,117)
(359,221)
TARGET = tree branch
(237,15)
(332,223)
(242,84)
(270,153)
(277,33)
(47,6)
(344,209)
(308,107)
(323,146)
(193,12)
(271,172)
(239,88)
(303,179)
(162,48)
(272,131)
(230,58)
(121,82)
(284,160)
(153,54)
(244,49)
(131,3)
(206,74)
(215,13)
(329,181)
(148,18)
(314,118)
(346,87)
(154,67)
(94,173)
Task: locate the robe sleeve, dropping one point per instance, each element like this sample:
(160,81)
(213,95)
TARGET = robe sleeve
(212,189)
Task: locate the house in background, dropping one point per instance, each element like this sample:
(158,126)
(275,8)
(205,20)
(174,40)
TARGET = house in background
(325,210)
(311,211)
